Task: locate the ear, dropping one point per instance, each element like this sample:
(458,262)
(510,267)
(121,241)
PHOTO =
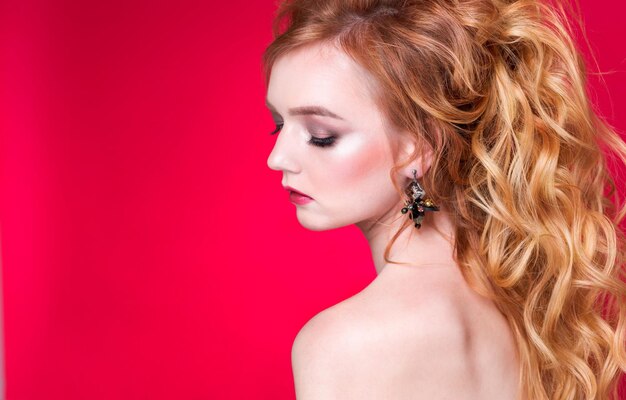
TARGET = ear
(419,152)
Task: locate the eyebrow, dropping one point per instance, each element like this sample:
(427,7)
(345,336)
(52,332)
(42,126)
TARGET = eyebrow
(308,110)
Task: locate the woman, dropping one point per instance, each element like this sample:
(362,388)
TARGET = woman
(457,135)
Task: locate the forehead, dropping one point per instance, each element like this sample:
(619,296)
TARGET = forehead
(320,74)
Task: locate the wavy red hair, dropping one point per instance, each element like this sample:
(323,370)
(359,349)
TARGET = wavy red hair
(498,90)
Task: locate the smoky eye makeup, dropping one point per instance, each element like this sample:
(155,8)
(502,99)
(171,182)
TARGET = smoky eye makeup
(322,142)
(321,137)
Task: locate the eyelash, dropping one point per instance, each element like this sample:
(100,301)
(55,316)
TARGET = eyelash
(318,142)
(278,128)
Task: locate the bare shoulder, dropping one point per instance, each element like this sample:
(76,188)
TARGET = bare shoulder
(374,345)
(407,336)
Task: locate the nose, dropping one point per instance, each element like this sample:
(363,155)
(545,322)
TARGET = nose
(283,155)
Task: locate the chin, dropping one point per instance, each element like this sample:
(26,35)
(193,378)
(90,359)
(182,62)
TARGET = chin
(318,223)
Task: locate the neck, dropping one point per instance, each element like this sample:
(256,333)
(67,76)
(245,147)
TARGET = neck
(432,244)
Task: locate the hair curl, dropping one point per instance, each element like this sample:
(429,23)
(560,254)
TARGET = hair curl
(497,88)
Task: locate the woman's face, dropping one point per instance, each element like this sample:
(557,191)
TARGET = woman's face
(335,145)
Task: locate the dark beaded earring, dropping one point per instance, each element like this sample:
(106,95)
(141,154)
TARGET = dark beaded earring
(417,205)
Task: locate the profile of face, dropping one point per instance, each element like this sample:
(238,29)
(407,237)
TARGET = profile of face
(335,144)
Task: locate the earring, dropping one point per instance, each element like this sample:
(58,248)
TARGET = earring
(416,206)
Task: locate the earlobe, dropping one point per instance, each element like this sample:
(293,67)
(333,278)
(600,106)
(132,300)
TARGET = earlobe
(421,156)
(424,161)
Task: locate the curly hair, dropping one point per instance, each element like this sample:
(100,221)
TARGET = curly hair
(498,90)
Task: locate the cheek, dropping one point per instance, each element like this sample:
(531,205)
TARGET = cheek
(361,163)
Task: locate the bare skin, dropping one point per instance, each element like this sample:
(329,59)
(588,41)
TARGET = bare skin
(417,331)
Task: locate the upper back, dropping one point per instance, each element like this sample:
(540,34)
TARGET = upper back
(407,336)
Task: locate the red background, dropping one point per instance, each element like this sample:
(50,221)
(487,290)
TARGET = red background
(148,252)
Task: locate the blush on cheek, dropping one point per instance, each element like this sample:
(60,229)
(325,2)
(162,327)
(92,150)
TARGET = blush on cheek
(360,159)
(359,182)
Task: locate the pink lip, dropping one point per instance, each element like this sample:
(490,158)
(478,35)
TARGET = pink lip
(298,197)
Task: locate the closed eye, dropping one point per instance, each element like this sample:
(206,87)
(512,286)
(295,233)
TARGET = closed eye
(322,142)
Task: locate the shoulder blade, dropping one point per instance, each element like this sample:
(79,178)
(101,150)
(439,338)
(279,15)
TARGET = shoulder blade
(342,353)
